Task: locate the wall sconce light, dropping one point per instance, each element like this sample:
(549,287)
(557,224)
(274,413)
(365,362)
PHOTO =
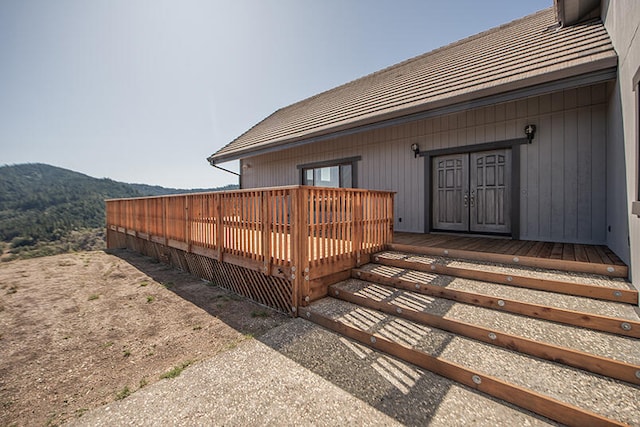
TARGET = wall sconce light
(530,131)
(246,166)
(416,149)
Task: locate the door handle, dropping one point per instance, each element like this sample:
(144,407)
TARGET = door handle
(473,198)
(465,198)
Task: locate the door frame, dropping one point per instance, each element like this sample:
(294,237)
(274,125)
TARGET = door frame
(514,144)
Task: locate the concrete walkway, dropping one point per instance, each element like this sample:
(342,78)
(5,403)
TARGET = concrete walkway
(301,374)
(249,385)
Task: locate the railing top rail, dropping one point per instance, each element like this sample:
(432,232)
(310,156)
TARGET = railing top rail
(246,190)
(349,190)
(253,190)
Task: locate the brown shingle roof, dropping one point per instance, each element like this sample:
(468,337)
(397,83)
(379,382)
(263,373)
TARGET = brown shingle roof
(523,53)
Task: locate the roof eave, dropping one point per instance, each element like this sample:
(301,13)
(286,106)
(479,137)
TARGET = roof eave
(601,64)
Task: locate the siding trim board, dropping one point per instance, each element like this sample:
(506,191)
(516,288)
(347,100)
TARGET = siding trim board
(334,162)
(509,143)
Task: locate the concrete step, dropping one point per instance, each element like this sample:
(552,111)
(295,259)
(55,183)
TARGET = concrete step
(564,394)
(530,338)
(557,281)
(606,316)
(411,395)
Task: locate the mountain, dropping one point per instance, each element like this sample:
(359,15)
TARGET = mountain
(156,190)
(40,203)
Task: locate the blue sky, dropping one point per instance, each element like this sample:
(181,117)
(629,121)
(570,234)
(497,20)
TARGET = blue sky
(145,90)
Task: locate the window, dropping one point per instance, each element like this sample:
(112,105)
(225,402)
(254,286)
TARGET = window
(335,174)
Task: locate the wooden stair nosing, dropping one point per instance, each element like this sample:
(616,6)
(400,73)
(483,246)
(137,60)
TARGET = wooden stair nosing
(569,288)
(597,322)
(577,359)
(611,270)
(528,399)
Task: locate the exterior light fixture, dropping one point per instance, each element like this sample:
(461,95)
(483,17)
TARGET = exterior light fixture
(416,149)
(530,131)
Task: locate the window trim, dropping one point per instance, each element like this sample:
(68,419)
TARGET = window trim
(352,161)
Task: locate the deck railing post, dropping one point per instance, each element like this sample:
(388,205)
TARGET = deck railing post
(219,226)
(146,218)
(165,222)
(303,242)
(187,223)
(109,208)
(358,226)
(298,240)
(266,230)
(390,213)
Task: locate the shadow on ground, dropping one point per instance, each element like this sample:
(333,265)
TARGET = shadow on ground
(241,314)
(410,395)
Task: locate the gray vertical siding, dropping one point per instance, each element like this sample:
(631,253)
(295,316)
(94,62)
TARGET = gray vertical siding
(622,21)
(562,174)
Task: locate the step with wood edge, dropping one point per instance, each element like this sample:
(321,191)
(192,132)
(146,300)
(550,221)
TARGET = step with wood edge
(613,270)
(605,316)
(435,313)
(579,284)
(569,396)
(612,346)
(411,395)
(508,291)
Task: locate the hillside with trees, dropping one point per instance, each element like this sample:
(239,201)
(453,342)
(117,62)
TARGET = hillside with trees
(42,204)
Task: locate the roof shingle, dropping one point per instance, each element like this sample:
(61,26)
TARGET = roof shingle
(525,52)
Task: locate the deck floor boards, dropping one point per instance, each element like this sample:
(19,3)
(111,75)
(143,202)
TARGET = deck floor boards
(595,254)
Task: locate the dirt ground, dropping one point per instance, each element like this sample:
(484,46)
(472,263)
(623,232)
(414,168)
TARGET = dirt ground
(84,329)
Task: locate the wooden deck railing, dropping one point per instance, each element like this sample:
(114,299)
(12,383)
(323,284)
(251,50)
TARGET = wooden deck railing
(298,233)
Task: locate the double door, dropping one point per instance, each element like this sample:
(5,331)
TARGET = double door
(472,192)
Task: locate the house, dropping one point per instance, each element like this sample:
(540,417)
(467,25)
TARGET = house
(528,130)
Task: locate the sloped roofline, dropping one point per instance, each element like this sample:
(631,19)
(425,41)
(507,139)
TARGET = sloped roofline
(561,53)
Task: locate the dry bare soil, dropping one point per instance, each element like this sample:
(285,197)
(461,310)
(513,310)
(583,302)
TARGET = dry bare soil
(81,330)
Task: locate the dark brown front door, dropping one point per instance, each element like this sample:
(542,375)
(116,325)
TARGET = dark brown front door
(471,192)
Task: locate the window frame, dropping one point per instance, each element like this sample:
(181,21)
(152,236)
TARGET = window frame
(348,161)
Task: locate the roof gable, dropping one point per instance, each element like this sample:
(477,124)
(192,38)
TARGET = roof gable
(525,52)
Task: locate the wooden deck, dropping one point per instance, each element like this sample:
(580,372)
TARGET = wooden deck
(565,256)
(298,239)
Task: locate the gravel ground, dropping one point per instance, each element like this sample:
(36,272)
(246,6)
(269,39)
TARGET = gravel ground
(408,394)
(610,398)
(251,385)
(302,374)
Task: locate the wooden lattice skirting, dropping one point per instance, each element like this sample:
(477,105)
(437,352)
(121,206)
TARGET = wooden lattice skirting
(274,292)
